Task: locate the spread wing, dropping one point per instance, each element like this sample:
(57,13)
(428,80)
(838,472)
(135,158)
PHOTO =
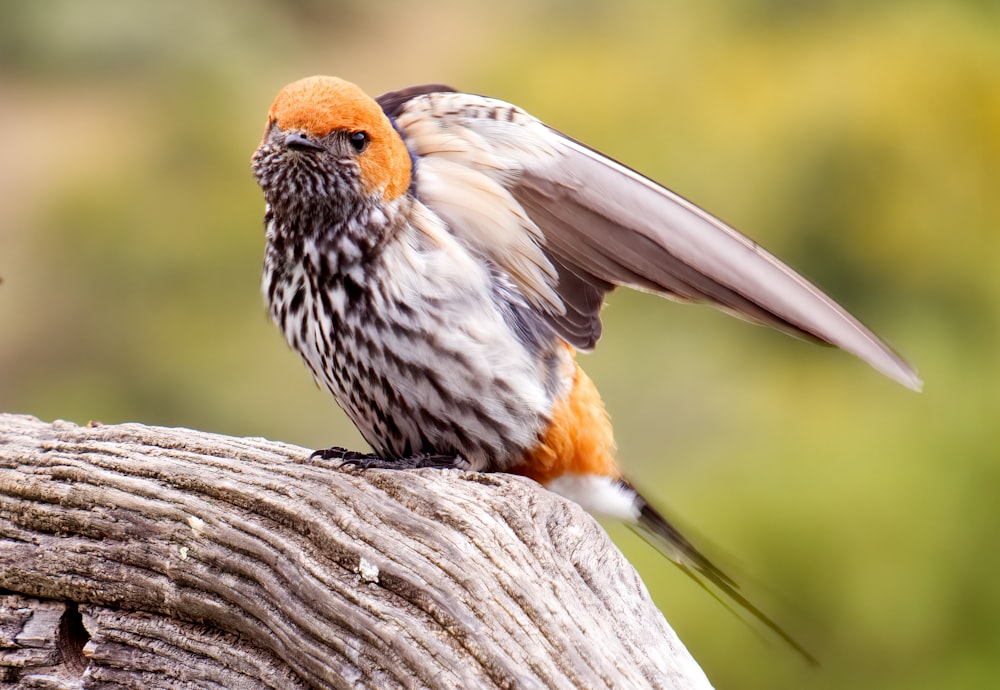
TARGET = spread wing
(569,224)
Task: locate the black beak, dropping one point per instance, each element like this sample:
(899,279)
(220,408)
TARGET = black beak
(298,141)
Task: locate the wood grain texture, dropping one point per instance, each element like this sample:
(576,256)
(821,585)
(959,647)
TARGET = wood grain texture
(197,560)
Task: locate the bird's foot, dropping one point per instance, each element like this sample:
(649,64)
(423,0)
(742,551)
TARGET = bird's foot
(341,454)
(371,461)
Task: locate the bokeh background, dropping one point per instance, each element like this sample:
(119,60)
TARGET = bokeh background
(858,140)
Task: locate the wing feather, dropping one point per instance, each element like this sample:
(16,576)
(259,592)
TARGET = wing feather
(676,248)
(593,223)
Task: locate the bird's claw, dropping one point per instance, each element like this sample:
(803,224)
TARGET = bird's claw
(371,461)
(341,454)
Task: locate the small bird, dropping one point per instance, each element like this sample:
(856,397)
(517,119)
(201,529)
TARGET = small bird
(437,258)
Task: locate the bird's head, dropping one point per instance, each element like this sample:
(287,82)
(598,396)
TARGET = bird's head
(326,136)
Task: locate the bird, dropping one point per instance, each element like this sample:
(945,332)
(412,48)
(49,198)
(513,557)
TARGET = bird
(438,258)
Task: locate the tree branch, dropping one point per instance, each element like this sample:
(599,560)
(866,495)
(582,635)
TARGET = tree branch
(137,556)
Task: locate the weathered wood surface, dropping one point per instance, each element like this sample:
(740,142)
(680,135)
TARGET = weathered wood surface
(136,556)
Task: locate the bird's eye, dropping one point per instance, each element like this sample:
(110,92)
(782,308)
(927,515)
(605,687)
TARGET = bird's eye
(359,140)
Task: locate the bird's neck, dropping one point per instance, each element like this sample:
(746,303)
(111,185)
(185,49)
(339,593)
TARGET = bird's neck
(341,236)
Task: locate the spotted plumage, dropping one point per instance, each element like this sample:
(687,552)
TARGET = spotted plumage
(436,258)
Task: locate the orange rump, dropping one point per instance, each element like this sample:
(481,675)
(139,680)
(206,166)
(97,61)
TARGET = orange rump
(579,438)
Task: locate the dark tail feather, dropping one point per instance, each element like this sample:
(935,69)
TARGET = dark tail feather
(665,538)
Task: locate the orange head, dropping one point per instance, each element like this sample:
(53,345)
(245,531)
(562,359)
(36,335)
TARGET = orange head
(317,106)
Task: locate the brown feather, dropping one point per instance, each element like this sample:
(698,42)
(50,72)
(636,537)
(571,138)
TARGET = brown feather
(603,224)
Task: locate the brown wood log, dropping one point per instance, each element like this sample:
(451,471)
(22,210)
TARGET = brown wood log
(136,556)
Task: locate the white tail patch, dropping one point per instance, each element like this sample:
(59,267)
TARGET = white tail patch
(599,495)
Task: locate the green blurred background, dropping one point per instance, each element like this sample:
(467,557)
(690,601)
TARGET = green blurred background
(858,140)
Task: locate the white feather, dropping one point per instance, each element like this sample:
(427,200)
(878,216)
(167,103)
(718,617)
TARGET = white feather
(598,495)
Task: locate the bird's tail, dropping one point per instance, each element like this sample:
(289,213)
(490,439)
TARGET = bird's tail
(666,538)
